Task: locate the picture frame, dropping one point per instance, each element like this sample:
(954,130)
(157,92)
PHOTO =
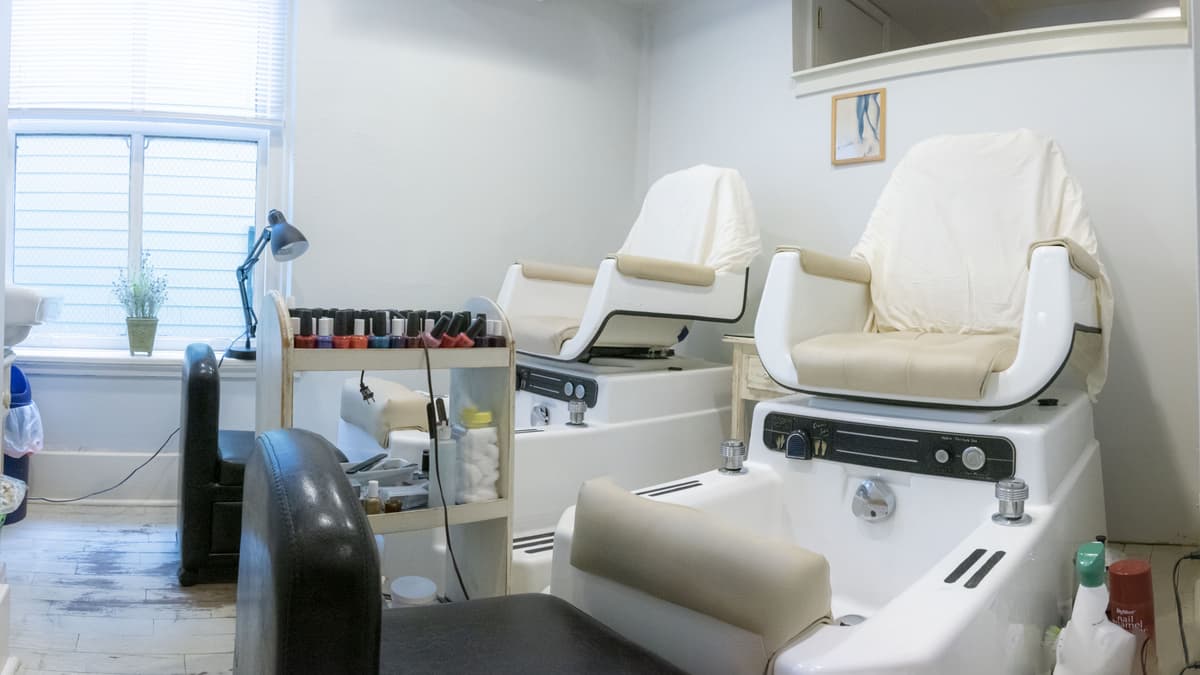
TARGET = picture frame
(858,130)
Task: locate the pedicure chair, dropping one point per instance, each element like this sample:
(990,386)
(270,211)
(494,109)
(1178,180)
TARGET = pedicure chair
(934,472)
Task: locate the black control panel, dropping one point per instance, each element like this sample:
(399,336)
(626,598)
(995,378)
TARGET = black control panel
(560,386)
(935,453)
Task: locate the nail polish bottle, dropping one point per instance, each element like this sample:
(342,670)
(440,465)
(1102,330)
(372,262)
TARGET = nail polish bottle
(412,331)
(495,336)
(342,325)
(396,340)
(450,339)
(433,335)
(294,328)
(477,333)
(462,340)
(379,331)
(305,339)
(324,333)
(359,339)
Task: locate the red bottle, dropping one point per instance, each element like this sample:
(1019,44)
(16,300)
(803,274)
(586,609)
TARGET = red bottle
(305,339)
(342,324)
(359,339)
(453,333)
(1131,606)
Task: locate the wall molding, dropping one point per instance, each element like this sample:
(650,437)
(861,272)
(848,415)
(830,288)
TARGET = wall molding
(996,48)
(116,363)
(66,474)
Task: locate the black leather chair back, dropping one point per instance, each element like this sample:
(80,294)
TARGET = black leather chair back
(309,598)
(198,418)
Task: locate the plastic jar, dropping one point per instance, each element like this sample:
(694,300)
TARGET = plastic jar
(478,457)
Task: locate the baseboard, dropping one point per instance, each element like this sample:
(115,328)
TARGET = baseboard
(68,474)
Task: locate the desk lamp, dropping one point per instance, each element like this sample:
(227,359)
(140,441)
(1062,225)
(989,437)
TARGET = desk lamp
(287,243)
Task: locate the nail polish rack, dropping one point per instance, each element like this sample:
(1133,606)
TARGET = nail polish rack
(484,374)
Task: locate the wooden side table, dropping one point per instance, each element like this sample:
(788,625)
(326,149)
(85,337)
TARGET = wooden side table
(750,383)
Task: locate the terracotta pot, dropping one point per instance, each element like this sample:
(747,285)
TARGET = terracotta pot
(141,335)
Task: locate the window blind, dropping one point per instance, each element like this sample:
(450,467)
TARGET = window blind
(218,58)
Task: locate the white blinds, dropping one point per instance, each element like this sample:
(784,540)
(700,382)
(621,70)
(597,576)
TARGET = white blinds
(222,58)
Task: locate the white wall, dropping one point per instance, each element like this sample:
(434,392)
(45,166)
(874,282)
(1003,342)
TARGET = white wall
(720,93)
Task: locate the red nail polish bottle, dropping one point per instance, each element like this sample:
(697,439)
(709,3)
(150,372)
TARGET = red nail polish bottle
(359,339)
(305,339)
(412,331)
(434,335)
(342,323)
(450,339)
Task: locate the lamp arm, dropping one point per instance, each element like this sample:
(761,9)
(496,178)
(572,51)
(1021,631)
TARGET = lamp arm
(243,275)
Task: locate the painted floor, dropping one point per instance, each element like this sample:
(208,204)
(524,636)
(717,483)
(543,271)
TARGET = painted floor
(94,591)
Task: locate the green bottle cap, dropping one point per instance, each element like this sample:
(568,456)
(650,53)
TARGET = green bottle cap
(1089,563)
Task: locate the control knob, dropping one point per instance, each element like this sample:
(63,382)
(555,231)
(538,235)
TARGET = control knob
(973,458)
(941,456)
(797,446)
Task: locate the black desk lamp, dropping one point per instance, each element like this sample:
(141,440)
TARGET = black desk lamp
(287,243)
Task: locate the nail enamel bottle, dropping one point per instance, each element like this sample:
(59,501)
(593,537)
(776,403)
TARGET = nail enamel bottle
(359,339)
(396,339)
(305,339)
(412,331)
(294,328)
(495,337)
(342,325)
(434,335)
(477,333)
(464,341)
(379,331)
(450,339)
(324,333)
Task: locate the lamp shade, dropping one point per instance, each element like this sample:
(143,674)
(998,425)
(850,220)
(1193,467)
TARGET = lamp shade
(287,243)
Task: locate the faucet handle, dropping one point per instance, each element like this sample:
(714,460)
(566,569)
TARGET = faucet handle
(1011,494)
(733,454)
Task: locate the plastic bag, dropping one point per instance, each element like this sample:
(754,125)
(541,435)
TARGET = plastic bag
(12,495)
(23,431)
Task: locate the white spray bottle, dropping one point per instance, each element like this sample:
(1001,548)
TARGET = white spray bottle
(1091,644)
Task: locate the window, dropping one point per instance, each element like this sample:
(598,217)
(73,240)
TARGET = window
(141,127)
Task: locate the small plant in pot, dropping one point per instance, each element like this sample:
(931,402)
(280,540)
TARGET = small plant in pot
(141,294)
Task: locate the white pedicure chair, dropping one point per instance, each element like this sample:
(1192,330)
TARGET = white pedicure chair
(942,464)
(597,345)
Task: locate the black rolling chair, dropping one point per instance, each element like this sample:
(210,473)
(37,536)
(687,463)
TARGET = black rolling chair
(211,465)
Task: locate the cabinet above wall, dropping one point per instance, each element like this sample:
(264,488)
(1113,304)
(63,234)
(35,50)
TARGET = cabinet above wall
(842,43)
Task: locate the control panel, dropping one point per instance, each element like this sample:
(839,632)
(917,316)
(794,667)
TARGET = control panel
(556,385)
(935,453)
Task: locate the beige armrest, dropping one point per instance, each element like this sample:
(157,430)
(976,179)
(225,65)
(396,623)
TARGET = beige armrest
(657,269)
(1081,260)
(571,274)
(684,556)
(831,267)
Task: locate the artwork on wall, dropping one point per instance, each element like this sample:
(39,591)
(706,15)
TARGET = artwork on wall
(859,123)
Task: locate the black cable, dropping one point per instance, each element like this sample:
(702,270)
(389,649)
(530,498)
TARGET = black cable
(1187,657)
(437,472)
(139,466)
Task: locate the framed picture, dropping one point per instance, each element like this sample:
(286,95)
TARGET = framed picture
(859,127)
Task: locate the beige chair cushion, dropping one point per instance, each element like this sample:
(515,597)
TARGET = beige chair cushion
(542,334)
(659,269)
(935,365)
(571,274)
(696,560)
(395,407)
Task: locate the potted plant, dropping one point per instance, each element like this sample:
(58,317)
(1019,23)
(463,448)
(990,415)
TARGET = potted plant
(142,295)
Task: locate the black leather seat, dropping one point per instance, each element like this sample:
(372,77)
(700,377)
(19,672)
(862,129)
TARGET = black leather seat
(210,508)
(309,597)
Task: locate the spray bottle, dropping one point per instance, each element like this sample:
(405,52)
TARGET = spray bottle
(1091,644)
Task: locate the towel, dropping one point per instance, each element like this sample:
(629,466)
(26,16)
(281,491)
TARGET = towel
(701,215)
(949,239)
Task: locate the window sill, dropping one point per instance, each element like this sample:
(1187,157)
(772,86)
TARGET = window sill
(116,363)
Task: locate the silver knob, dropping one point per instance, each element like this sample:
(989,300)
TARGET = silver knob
(733,454)
(539,416)
(873,501)
(973,458)
(941,456)
(575,411)
(1011,494)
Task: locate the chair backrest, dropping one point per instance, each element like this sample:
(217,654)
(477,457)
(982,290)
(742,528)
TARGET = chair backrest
(308,597)
(948,241)
(200,405)
(701,215)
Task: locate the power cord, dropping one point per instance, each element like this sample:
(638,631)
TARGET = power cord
(139,466)
(1187,657)
(437,472)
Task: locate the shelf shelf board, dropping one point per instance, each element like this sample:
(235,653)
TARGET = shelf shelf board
(428,519)
(397,359)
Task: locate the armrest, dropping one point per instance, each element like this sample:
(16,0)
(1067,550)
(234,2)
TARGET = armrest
(659,269)
(571,274)
(830,267)
(1081,261)
(308,575)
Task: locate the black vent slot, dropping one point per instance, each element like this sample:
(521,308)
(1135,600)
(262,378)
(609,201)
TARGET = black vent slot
(668,489)
(965,565)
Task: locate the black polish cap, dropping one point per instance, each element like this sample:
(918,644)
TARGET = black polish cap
(439,328)
(343,322)
(379,324)
(478,327)
(306,322)
(414,326)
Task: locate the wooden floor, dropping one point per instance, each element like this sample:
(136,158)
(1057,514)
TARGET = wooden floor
(94,591)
